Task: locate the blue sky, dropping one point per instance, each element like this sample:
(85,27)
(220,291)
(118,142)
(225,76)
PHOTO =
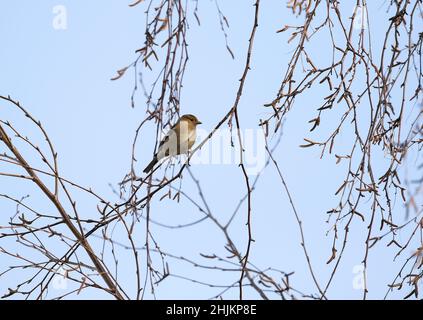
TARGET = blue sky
(63,78)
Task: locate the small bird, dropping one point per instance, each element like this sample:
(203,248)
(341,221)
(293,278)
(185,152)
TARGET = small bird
(180,138)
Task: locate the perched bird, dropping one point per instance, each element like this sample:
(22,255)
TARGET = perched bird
(180,138)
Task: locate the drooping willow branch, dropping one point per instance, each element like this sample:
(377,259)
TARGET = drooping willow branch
(371,91)
(369,88)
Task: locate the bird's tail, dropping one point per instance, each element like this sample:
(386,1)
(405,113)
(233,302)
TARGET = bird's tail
(151,165)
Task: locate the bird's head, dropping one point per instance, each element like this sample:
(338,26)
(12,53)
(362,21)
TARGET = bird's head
(190,118)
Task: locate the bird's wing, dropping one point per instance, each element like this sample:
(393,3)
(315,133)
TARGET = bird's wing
(168,145)
(178,140)
(166,137)
(164,140)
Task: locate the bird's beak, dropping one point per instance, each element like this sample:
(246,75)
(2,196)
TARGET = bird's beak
(199,122)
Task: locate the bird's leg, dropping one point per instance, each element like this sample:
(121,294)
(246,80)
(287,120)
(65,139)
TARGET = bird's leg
(188,157)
